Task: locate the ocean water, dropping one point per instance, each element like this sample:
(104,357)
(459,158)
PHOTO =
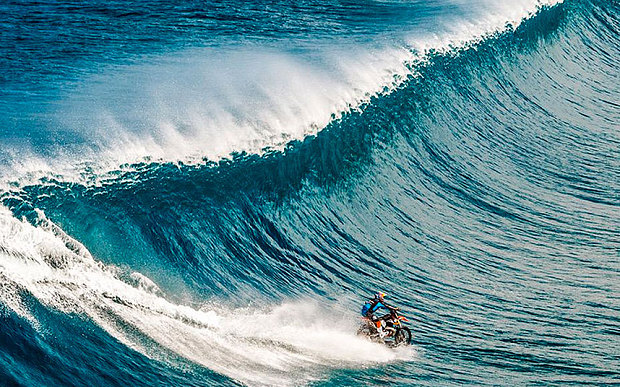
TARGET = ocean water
(203,193)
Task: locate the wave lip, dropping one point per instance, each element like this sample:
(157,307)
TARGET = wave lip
(207,103)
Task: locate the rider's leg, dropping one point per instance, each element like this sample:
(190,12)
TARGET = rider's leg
(378,323)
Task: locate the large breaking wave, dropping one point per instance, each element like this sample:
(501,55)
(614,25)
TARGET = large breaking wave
(477,184)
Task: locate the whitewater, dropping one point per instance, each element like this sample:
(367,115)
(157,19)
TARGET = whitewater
(207,194)
(207,102)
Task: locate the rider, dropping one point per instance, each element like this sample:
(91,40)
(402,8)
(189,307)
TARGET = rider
(371,306)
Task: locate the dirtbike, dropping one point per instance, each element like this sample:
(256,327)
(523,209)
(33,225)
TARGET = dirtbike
(395,334)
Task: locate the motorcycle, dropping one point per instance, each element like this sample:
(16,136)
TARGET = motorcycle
(395,333)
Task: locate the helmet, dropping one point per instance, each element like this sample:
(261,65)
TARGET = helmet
(380,295)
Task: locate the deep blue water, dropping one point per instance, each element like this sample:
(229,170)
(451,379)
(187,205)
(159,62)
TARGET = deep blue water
(203,193)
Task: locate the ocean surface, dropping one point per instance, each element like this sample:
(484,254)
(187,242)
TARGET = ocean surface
(203,193)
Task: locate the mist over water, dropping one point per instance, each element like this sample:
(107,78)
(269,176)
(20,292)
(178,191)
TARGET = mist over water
(215,92)
(204,194)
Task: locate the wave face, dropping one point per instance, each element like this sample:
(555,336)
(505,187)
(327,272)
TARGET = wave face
(273,182)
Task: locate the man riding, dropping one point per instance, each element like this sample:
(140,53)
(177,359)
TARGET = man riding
(369,309)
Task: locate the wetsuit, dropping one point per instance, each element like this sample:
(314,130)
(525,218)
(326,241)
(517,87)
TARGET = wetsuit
(376,304)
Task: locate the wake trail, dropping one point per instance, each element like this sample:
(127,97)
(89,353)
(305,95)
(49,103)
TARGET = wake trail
(282,345)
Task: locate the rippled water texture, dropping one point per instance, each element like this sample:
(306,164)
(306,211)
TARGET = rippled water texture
(204,193)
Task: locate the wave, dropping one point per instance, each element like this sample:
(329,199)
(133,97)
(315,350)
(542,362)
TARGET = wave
(244,344)
(480,193)
(209,102)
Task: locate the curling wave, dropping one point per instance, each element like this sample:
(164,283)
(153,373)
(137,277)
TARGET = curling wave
(481,193)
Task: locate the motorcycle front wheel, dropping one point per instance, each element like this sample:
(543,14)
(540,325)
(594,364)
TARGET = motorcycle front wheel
(402,336)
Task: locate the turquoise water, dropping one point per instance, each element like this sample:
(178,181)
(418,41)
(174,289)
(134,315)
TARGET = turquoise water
(205,193)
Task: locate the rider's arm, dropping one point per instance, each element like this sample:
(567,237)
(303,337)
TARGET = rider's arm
(383,305)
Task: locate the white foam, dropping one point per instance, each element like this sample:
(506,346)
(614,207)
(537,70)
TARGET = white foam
(207,103)
(289,344)
(212,102)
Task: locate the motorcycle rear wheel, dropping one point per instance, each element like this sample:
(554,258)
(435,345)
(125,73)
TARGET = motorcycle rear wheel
(364,330)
